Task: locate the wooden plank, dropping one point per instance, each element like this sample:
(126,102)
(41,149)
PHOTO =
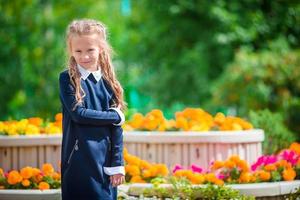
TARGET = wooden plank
(185,155)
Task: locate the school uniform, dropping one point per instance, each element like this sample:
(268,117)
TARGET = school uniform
(92,145)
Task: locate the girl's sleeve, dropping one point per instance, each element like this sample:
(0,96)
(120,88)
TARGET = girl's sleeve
(117,160)
(81,114)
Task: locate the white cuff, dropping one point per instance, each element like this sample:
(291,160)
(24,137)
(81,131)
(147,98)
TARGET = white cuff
(114,170)
(121,114)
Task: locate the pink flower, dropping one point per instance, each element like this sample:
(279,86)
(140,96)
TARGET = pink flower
(264,160)
(196,169)
(221,176)
(177,167)
(290,156)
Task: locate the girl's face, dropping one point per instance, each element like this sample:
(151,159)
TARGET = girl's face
(85,49)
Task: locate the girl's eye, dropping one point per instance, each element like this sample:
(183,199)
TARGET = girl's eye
(91,49)
(78,51)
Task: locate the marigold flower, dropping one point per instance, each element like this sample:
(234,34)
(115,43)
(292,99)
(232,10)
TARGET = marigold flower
(44,186)
(14,177)
(270,167)
(132,170)
(264,176)
(289,174)
(26,172)
(47,169)
(137,179)
(217,165)
(26,183)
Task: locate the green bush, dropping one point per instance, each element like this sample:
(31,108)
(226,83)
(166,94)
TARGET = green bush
(277,136)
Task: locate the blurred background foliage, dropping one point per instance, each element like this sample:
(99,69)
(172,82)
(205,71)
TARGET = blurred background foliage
(229,56)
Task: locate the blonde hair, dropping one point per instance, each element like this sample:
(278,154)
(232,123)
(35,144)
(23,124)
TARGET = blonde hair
(87,27)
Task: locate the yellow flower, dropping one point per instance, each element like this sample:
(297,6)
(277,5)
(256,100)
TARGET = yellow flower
(31,130)
(219,118)
(44,186)
(52,129)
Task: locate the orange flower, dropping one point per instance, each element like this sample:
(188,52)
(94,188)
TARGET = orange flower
(1,172)
(137,179)
(44,186)
(219,118)
(48,169)
(35,171)
(35,121)
(146,174)
(145,165)
(26,172)
(58,117)
(245,177)
(243,165)
(26,183)
(153,170)
(56,176)
(289,174)
(270,167)
(217,165)
(264,176)
(197,179)
(162,169)
(229,164)
(137,120)
(295,147)
(14,177)
(219,182)
(132,170)
(132,160)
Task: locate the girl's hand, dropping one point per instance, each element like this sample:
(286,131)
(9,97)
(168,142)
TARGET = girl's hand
(117,179)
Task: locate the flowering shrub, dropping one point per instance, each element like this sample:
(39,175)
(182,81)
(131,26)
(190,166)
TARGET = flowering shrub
(31,178)
(282,167)
(31,126)
(190,119)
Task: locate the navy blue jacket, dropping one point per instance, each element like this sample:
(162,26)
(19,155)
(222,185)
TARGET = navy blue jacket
(90,140)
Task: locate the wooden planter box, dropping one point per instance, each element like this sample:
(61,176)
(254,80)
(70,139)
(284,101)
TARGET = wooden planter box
(199,148)
(170,148)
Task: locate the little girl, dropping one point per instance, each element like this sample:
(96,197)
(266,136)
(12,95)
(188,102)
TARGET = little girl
(92,100)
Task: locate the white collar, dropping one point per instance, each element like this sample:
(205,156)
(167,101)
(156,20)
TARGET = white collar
(85,73)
